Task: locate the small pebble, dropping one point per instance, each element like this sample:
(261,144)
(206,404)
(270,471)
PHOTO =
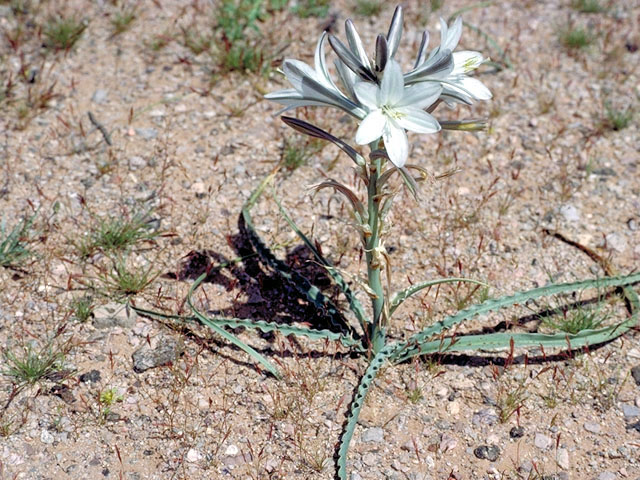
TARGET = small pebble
(147,133)
(592,427)
(46,437)
(607,476)
(232,450)
(372,435)
(562,458)
(630,411)
(99,96)
(635,373)
(488,452)
(193,455)
(516,432)
(90,377)
(542,441)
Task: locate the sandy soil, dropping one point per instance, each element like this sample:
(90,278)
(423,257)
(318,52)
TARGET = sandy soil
(189,142)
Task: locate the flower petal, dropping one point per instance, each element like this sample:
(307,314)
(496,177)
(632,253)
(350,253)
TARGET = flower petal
(382,53)
(350,60)
(476,88)
(355,44)
(420,95)
(367,94)
(347,77)
(320,63)
(422,51)
(464,86)
(466,61)
(419,121)
(450,36)
(371,128)
(396,144)
(395,31)
(436,67)
(392,87)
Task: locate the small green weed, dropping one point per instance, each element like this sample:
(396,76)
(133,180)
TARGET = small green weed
(107,398)
(159,41)
(367,8)
(30,365)
(312,8)
(196,41)
(122,20)
(575,38)
(295,154)
(242,58)
(618,119)
(82,308)
(13,250)
(239,48)
(415,395)
(117,234)
(588,6)
(62,33)
(277,5)
(509,402)
(436,5)
(120,281)
(576,320)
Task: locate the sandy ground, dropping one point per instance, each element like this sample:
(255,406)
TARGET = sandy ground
(189,142)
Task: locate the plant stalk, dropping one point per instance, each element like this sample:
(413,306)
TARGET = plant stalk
(374,266)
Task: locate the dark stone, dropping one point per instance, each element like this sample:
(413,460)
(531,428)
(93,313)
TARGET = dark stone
(488,452)
(635,373)
(516,432)
(92,376)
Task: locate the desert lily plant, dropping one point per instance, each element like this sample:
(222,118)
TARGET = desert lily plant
(387,103)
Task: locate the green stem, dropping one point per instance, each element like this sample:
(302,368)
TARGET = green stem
(374,267)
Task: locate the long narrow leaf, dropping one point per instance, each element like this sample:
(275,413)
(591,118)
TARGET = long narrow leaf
(228,336)
(262,325)
(497,341)
(354,303)
(520,297)
(300,283)
(354,410)
(402,295)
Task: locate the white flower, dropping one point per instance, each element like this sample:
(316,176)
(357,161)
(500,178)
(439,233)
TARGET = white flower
(394,108)
(450,68)
(313,86)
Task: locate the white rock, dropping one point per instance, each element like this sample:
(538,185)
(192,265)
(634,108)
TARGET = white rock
(570,213)
(193,455)
(46,437)
(562,458)
(542,441)
(232,450)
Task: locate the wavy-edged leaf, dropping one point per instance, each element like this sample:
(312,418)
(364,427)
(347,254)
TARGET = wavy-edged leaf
(300,283)
(354,409)
(262,325)
(229,336)
(402,295)
(503,340)
(520,297)
(354,303)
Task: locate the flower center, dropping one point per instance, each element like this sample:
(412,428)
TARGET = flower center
(391,112)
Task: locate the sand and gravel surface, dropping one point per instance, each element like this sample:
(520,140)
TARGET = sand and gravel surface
(133,397)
